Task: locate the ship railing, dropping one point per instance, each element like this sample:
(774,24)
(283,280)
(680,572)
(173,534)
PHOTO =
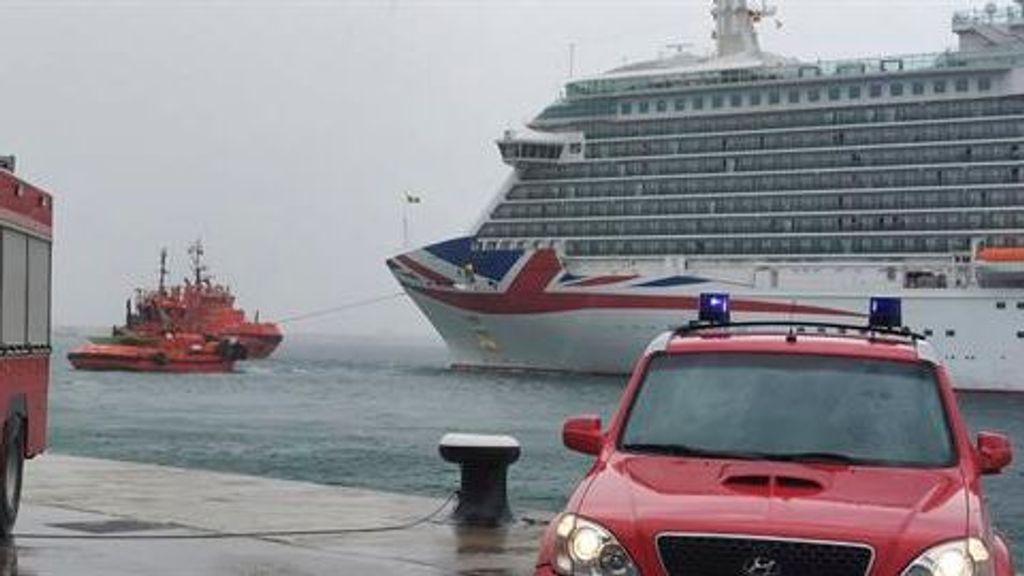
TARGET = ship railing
(845,69)
(991,15)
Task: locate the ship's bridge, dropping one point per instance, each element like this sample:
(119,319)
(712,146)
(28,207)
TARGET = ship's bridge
(519,148)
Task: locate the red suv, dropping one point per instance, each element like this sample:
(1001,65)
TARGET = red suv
(786,449)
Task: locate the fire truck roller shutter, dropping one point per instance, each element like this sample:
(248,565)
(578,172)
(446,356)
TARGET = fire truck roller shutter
(14,287)
(38,329)
(25,286)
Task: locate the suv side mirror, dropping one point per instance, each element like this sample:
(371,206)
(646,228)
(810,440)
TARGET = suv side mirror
(583,434)
(994,452)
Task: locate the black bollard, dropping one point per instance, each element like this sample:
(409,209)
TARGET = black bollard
(484,460)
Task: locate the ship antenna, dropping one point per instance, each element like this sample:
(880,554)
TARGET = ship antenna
(163,270)
(195,253)
(572,58)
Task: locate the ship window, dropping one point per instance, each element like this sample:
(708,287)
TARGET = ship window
(1000,305)
(736,100)
(928,332)
(1020,305)
(774,97)
(939,87)
(834,92)
(950,333)
(876,90)
(698,102)
(645,107)
(896,89)
(680,104)
(1020,334)
(626,108)
(984,84)
(813,95)
(662,106)
(794,96)
(918,88)
(717,101)
(961,85)
(854,92)
(755,99)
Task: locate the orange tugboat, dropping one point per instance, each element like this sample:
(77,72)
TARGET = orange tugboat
(189,353)
(194,327)
(199,307)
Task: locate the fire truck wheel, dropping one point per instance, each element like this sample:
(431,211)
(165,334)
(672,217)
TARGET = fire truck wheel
(10,476)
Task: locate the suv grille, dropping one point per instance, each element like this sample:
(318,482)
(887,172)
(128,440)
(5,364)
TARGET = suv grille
(739,556)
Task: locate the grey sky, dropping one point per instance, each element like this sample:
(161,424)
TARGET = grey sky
(284,132)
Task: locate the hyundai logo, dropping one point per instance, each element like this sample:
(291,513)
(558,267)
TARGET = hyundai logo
(761,566)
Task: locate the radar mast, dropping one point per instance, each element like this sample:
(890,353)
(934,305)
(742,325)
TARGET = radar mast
(163,270)
(195,254)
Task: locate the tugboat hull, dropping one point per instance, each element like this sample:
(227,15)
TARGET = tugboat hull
(124,358)
(258,340)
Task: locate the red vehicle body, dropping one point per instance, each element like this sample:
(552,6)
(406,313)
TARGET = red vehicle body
(643,500)
(26,222)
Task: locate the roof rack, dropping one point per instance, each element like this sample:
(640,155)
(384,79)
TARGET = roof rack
(696,326)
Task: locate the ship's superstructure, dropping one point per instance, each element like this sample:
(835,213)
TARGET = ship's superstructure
(801,187)
(199,306)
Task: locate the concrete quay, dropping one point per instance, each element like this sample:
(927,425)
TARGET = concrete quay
(118,508)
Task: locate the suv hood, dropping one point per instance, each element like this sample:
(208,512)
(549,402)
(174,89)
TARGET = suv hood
(889,509)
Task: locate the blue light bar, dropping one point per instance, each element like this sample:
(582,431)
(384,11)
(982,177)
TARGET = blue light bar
(714,308)
(886,313)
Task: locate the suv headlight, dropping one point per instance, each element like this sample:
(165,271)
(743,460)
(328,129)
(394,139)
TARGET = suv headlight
(585,548)
(967,557)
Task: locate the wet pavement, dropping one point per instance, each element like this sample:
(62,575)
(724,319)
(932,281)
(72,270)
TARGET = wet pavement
(113,504)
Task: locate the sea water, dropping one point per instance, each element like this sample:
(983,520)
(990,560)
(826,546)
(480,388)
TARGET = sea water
(369,413)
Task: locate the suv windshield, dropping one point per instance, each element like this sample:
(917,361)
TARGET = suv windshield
(800,408)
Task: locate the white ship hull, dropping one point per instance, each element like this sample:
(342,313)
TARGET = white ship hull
(539,317)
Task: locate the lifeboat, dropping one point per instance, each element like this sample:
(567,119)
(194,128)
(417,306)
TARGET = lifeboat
(1000,267)
(1001,254)
(175,353)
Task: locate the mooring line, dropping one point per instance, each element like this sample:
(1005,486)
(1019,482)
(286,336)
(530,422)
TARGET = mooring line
(254,534)
(341,308)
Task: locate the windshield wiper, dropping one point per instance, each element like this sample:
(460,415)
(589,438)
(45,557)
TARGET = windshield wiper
(692,451)
(808,457)
(823,457)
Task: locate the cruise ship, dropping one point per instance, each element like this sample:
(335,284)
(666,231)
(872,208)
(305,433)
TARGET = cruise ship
(800,188)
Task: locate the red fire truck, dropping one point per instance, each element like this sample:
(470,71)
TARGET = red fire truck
(26,229)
